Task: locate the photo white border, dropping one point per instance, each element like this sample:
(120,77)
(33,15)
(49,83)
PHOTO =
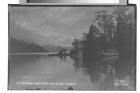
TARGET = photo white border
(4,52)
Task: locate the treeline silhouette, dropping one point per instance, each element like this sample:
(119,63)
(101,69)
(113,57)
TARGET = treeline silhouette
(109,31)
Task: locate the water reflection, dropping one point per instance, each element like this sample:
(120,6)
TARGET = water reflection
(109,73)
(75,72)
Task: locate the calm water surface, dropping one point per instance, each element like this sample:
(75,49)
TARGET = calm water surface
(75,72)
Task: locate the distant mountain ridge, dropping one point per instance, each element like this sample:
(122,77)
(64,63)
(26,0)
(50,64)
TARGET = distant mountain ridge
(17,46)
(53,48)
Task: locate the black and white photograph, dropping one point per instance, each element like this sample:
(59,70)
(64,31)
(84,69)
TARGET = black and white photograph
(74,47)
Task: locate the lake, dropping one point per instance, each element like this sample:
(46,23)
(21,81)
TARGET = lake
(43,72)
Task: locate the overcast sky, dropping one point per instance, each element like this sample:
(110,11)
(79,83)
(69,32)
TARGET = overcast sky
(51,25)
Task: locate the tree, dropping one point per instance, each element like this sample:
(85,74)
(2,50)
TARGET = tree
(76,46)
(124,36)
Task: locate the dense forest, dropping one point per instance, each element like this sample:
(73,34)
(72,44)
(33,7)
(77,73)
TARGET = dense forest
(109,31)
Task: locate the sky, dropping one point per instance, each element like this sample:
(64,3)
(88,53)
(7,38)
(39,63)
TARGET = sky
(51,25)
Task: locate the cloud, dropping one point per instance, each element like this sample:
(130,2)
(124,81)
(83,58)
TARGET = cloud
(51,25)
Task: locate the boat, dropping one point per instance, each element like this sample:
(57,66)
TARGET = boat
(109,52)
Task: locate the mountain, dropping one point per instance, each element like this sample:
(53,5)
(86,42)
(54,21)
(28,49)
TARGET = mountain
(53,48)
(17,46)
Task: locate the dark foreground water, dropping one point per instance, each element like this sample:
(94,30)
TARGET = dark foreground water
(75,72)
